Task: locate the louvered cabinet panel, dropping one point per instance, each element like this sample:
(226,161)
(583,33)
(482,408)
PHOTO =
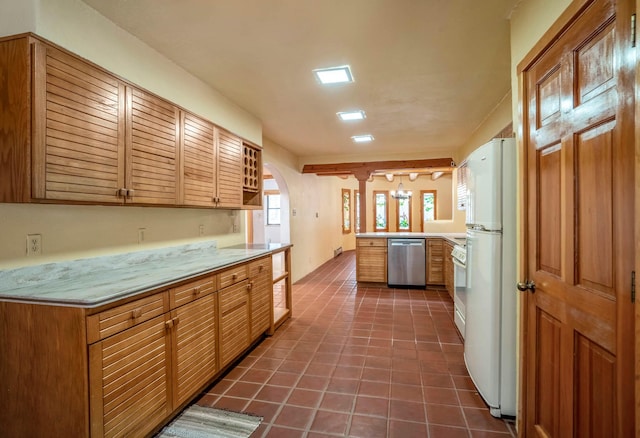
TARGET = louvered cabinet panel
(152,149)
(199,166)
(435,261)
(195,347)
(234,321)
(261,297)
(130,380)
(78,143)
(229,170)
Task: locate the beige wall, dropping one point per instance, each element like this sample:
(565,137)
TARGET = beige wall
(78,231)
(314,237)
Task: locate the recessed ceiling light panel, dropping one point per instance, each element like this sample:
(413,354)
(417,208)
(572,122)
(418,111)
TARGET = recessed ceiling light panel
(348,116)
(362,138)
(334,75)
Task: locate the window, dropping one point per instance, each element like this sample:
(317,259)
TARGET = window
(429,203)
(404,214)
(346,211)
(273,208)
(381,210)
(356,213)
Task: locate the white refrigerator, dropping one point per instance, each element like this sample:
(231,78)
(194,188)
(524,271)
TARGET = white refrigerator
(490,341)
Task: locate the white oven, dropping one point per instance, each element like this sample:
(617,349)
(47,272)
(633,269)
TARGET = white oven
(459,256)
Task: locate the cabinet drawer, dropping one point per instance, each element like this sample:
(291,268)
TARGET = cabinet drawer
(372,242)
(232,276)
(109,322)
(192,291)
(259,267)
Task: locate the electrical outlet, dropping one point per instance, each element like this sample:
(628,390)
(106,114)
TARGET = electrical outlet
(201,230)
(34,244)
(236,228)
(141,232)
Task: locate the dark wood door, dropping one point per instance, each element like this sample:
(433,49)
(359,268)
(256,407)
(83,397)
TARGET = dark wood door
(579,341)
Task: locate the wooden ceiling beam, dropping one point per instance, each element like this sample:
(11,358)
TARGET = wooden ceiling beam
(373,166)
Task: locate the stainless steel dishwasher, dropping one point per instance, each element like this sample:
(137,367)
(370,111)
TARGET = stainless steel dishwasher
(406,262)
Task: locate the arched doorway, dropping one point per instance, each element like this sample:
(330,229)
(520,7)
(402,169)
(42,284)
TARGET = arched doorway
(271,224)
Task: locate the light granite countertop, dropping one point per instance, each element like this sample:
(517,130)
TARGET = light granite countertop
(455,238)
(96,281)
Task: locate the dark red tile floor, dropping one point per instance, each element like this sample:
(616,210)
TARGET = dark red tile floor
(359,361)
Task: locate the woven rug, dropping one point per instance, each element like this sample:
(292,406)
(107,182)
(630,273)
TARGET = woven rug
(201,422)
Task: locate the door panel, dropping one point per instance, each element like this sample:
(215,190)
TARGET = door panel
(579,107)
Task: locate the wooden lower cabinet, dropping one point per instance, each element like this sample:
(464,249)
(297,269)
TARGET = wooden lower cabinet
(235,329)
(261,297)
(435,262)
(194,346)
(130,380)
(371,260)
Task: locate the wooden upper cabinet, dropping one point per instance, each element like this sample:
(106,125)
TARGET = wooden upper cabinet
(73,132)
(78,130)
(152,149)
(229,154)
(251,176)
(198,162)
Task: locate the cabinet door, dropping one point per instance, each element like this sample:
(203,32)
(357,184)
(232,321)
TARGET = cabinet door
(152,149)
(234,321)
(371,260)
(130,380)
(229,154)
(435,262)
(199,164)
(194,358)
(78,130)
(261,297)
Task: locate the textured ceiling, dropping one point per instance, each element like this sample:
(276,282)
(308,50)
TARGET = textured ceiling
(427,72)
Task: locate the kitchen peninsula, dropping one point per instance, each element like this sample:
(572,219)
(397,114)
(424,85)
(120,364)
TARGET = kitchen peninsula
(116,345)
(371,256)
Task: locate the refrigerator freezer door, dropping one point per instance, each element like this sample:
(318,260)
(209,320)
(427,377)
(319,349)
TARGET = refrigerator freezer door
(484,185)
(482,340)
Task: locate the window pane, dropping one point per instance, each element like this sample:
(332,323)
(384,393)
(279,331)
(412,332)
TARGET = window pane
(357,212)
(381,211)
(273,209)
(346,210)
(428,203)
(404,209)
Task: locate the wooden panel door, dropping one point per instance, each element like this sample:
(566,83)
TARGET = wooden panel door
(579,345)
(199,162)
(229,154)
(234,321)
(78,128)
(152,149)
(194,355)
(261,297)
(130,380)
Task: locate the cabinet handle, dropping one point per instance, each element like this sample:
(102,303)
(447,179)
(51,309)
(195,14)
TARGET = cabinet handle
(196,291)
(168,324)
(249,286)
(234,277)
(260,268)
(121,193)
(175,320)
(130,193)
(136,313)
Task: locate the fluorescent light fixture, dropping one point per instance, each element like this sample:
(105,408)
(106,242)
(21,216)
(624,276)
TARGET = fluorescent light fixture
(362,138)
(334,75)
(348,116)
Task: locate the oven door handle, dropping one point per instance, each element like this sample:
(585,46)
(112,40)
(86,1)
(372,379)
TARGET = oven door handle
(459,264)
